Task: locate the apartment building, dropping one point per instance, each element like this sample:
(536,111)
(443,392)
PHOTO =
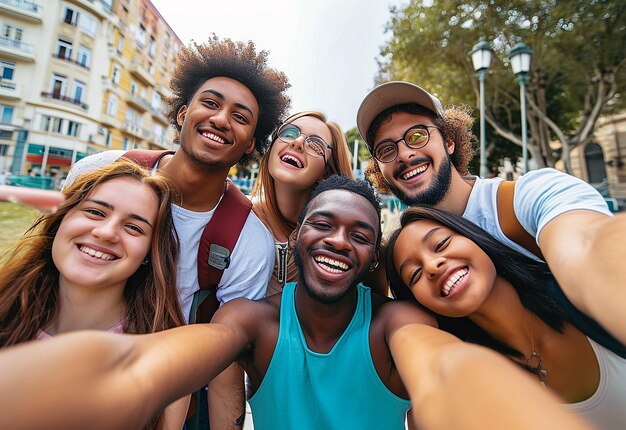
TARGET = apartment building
(79,77)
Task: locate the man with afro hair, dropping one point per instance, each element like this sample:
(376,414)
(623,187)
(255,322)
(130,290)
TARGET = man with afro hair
(225,103)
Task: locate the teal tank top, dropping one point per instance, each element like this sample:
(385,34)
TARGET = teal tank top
(303,389)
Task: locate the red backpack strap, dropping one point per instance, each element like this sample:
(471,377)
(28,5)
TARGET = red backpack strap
(146,157)
(509,223)
(217,243)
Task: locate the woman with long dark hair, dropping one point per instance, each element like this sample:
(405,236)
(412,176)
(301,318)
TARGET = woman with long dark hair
(484,292)
(306,148)
(105,260)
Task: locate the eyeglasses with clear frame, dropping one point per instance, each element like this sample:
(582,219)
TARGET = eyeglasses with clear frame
(416,137)
(315,146)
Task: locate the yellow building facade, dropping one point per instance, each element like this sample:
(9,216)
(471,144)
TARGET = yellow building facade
(79,77)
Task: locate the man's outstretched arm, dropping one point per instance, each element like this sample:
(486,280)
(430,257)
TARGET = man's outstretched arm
(586,252)
(457,385)
(102,381)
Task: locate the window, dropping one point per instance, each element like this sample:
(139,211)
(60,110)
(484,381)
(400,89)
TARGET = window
(156,101)
(7,70)
(4,149)
(69,16)
(152,47)
(79,91)
(83,56)
(120,44)
(140,35)
(51,123)
(64,49)
(11,32)
(134,88)
(73,128)
(88,24)
(58,85)
(6,114)
(126,145)
(107,142)
(116,74)
(112,104)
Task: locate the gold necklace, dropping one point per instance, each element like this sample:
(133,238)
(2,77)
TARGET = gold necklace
(534,359)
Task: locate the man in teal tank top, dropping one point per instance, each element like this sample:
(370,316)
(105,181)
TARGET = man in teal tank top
(319,359)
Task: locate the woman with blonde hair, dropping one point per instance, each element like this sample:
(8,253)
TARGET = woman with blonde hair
(305,149)
(105,260)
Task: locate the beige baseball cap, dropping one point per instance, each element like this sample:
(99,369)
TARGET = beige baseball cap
(391,94)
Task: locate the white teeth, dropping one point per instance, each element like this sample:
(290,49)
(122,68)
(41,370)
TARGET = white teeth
(415,172)
(331,265)
(97,254)
(453,281)
(287,158)
(213,137)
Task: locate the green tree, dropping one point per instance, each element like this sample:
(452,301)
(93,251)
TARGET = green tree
(577,65)
(364,154)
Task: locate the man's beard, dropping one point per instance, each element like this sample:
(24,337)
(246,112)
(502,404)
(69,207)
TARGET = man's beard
(432,195)
(327,300)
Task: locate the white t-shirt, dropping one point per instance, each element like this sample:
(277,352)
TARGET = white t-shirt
(252,259)
(605,408)
(540,196)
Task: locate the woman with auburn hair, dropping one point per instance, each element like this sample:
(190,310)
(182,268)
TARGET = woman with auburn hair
(484,292)
(105,260)
(305,149)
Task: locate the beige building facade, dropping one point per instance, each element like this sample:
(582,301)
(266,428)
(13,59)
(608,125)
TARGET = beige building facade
(602,162)
(79,77)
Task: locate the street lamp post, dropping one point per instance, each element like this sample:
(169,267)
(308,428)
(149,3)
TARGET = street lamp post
(481,59)
(520,63)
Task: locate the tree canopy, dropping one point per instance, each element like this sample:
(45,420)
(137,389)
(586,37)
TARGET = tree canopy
(577,72)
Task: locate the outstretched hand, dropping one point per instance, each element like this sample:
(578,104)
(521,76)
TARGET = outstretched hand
(42,199)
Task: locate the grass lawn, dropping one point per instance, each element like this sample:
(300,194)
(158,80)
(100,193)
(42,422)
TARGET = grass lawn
(14,220)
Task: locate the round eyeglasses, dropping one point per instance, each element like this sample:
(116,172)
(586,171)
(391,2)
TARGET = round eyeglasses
(415,137)
(313,145)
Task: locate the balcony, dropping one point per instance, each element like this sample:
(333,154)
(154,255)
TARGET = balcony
(70,60)
(16,49)
(110,120)
(22,9)
(158,142)
(9,90)
(99,8)
(158,115)
(138,69)
(138,102)
(57,96)
(136,130)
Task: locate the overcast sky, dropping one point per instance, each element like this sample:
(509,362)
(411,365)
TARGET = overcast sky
(327,48)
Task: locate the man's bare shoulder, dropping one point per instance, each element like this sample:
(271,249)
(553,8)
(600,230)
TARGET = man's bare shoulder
(396,313)
(249,315)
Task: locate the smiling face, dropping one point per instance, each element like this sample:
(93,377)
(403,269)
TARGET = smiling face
(102,241)
(218,124)
(417,175)
(336,244)
(290,164)
(446,272)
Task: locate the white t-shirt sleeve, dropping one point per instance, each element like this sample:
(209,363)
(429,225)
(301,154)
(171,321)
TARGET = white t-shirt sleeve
(91,163)
(251,265)
(542,195)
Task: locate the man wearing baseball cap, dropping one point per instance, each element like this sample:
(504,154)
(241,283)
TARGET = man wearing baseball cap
(421,152)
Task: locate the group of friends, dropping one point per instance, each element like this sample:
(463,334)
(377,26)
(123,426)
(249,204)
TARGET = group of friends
(509,295)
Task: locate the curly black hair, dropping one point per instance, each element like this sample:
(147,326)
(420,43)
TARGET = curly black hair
(340,182)
(239,61)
